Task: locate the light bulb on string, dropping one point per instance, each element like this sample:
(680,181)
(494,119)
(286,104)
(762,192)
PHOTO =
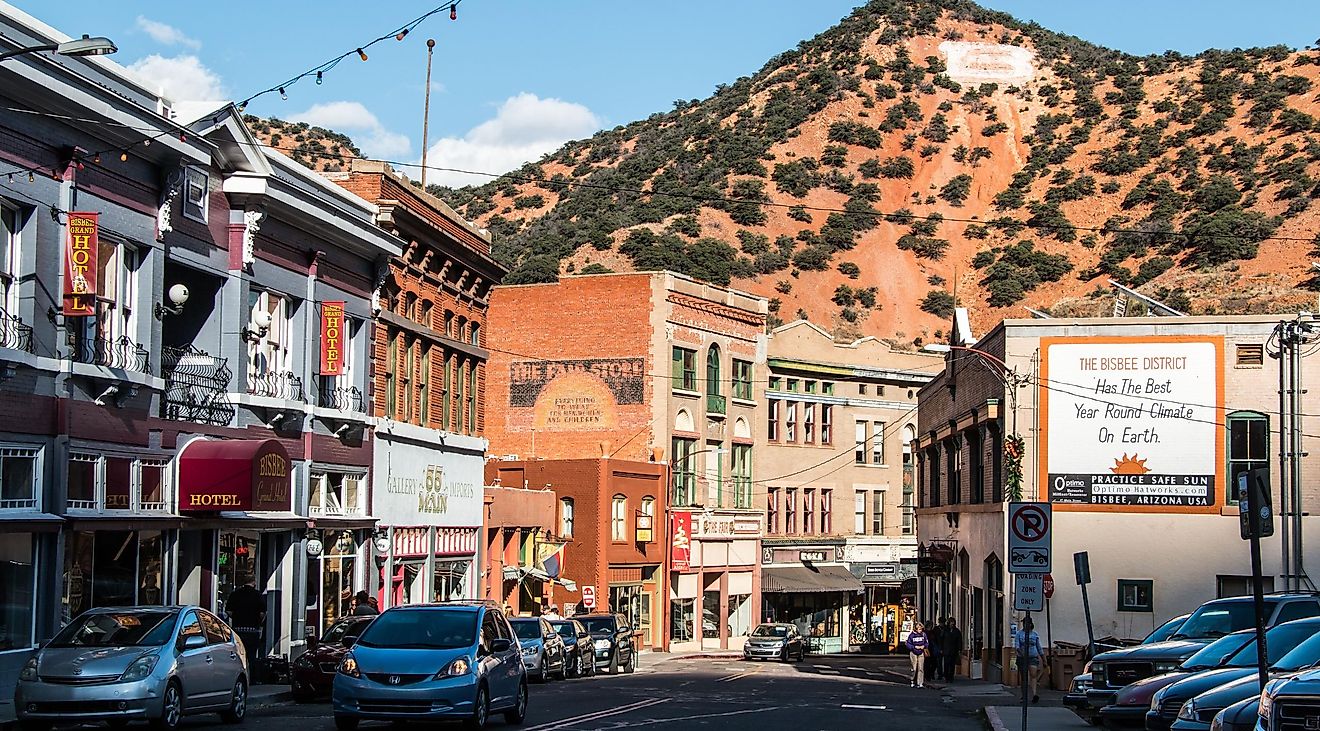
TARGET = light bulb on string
(183,137)
(146,142)
(31,178)
(123,156)
(283,96)
(318,78)
(453,11)
(362,54)
(402,34)
(97,159)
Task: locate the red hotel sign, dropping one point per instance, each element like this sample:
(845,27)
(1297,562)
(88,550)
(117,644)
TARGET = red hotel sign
(680,553)
(332,338)
(80,270)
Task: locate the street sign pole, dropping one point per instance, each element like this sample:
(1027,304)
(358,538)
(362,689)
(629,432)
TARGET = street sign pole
(1254,505)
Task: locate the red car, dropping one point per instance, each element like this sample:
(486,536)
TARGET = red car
(313,673)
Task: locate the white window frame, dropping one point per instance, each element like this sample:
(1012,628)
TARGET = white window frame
(877,442)
(275,346)
(859,512)
(648,509)
(136,503)
(878,496)
(11,257)
(196,182)
(860,449)
(116,312)
(11,450)
(619,519)
(566,511)
(332,500)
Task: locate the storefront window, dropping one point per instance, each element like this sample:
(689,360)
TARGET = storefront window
(336,493)
(710,614)
(681,613)
(112,568)
(17,590)
(740,615)
(627,600)
(18,478)
(150,552)
(337,576)
(237,562)
(816,615)
(451,579)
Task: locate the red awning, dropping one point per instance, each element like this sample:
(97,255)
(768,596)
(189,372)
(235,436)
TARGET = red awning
(234,474)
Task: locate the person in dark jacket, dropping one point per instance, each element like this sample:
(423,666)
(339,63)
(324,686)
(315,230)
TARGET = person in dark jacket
(951,645)
(935,631)
(364,607)
(246,608)
(918,646)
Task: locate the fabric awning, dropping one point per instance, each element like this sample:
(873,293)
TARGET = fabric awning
(234,474)
(518,573)
(260,521)
(807,579)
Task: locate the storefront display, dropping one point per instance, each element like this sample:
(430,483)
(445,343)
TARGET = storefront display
(111,568)
(17,587)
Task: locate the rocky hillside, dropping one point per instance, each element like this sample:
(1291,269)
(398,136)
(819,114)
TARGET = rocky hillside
(315,147)
(924,153)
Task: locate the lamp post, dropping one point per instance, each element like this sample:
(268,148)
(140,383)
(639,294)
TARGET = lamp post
(719,472)
(85,46)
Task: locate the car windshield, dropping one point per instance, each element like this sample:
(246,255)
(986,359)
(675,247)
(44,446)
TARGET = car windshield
(1164,631)
(770,630)
(527,630)
(1279,641)
(339,630)
(565,629)
(599,625)
(1304,655)
(422,629)
(1217,620)
(118,629)
(1214,654)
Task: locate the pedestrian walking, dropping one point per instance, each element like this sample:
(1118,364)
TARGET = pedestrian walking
(951,645)
(918,645)
(1029,656)
(935,668)
(247,615)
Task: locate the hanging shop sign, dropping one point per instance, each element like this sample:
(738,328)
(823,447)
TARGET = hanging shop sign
(332,338)
(643,529)
(81,246)
(680,551)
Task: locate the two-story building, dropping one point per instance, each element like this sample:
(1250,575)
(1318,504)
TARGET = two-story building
(646,366)
(836,461)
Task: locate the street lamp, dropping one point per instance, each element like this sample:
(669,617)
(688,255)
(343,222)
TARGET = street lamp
(719,471)
(85,46)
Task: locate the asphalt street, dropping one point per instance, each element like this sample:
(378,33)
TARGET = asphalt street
(820,693)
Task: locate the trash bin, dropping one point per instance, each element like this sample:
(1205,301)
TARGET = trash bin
(1066,662)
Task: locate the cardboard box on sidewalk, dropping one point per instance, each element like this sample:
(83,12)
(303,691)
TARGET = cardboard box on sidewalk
(1066,663)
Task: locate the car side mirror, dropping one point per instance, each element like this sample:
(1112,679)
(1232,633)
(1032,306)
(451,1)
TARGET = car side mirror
(349,640)
(193,642)
(500,644)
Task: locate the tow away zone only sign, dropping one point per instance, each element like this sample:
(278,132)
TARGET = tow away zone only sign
(1029,538)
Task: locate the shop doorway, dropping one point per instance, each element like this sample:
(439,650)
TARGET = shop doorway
(237,563)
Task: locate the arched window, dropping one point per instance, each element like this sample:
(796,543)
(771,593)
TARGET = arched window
(619,519)
(566,517)
(449,323)
(713,371)
(648,509)
(475,337)
(460,329)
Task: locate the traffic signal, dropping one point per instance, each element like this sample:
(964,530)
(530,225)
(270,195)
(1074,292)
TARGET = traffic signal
(1255,504)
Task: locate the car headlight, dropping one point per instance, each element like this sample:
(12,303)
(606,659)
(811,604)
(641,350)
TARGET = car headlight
(1097,672)
(140,668)
(349,666)
(1188,711)
(1166,667)
(29,671)
(602,644)
(460,666)
(529,649)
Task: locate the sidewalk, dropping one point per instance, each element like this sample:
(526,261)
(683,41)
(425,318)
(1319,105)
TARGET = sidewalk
(1039,718)
(264,696)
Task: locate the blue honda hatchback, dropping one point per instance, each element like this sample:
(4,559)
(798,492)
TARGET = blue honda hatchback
(433,662)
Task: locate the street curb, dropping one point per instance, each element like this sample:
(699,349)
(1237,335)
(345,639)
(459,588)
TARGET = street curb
(274,699)
(996,723)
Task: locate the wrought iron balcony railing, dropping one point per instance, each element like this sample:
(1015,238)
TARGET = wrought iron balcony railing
(275,384)
(120,352)
(196,386)
(14,333)
(341,398)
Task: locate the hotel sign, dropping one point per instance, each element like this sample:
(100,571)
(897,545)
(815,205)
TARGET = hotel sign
(80,264)
(332,338)
(238,474)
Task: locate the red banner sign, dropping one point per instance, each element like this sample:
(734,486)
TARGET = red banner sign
(332,338)
(80,249)
(680,552)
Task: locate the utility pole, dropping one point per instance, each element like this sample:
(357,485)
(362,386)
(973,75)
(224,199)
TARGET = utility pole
(1290,336)
(426,107)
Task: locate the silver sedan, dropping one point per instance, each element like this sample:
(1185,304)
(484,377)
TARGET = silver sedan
(135,663)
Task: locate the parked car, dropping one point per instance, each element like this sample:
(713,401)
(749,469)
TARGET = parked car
(579,653)
(774,642)
(432,662)
(1166,630)
(1280,640)
(612,638)
(542,648)
(313,673)
(1115,669)
(1241,716)
(1197,713)
(1075,699)
(120,664)
(1132,702)
(1290,702)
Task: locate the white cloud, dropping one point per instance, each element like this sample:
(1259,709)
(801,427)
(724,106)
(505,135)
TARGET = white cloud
(525,128)
(358,122)
(165,34)
(183,78)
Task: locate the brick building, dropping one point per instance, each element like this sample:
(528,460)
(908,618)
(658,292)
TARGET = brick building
(840,537)
(428,369)
(517,520)
(1131,428)
(640,367)
(606,516)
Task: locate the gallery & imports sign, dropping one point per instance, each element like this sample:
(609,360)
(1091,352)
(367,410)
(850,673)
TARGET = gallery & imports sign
(1132,423)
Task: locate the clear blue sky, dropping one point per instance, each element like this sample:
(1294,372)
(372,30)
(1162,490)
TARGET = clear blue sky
(608,61)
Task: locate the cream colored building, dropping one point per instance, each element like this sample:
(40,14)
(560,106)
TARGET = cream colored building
(1133,429)
(835,464)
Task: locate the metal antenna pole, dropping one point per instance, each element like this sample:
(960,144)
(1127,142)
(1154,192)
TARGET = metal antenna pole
(426,108)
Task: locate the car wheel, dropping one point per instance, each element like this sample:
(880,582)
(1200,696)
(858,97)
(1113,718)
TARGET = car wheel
(514,716)
(238,702)
(614,663)
(171,708)
(632,662)
(480,711)
(544,677)
(346,723)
